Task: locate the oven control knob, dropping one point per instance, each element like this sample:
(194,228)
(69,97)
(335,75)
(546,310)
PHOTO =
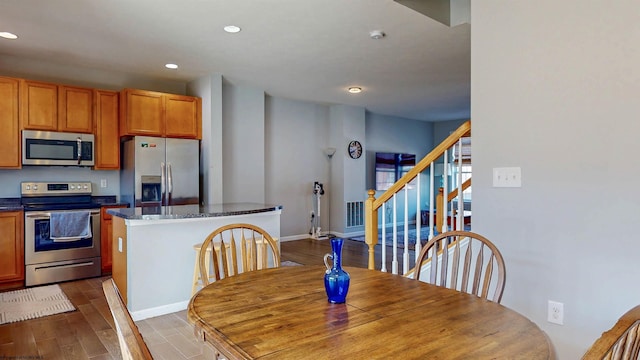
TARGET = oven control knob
(85,187)
(28,187)
(35,187)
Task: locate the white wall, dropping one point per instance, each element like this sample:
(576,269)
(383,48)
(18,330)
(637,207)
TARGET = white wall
(554,88)
(209,88)
(243,144)
(296,136)
(347,123)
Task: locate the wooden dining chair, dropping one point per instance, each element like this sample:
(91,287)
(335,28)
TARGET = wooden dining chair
(456,260)
(132,345)
(257,250)
(622,341)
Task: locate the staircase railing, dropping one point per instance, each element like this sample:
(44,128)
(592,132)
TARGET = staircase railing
(424,170)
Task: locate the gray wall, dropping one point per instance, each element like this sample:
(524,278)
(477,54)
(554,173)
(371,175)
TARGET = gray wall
(554,89)
(10,179)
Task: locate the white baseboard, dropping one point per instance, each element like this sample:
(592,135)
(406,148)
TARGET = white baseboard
(294,237)
(160,310)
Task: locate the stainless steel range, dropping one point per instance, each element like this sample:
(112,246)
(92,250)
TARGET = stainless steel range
(56,259)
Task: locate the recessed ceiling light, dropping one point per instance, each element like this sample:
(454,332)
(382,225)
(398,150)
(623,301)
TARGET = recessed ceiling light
(8,35)
(355,89)
(232,29)
(171,66)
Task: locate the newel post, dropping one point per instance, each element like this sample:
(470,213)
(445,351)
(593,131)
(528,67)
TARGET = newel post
(371,227)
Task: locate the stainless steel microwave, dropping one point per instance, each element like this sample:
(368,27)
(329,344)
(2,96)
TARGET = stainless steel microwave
(57,148)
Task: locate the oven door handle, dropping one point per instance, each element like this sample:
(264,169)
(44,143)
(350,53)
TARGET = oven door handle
(67,239)
(39,215)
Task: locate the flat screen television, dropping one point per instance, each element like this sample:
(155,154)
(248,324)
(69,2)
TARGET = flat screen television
(392,166)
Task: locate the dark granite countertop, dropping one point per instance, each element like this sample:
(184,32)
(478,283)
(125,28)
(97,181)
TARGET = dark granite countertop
(109,200)
(10,204)
(191,211)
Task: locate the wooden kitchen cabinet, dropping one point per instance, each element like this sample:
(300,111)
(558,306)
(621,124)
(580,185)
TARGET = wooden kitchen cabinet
(141,113)
(183,116)
(75,109)
(10,146)
(11,249)
(106,234)
(107,138)
(52,107)
(39,105)
(151,113)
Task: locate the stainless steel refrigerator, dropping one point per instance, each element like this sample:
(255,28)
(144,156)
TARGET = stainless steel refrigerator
(160,171)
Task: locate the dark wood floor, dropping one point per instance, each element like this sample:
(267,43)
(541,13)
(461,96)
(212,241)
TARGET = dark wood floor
(88,333)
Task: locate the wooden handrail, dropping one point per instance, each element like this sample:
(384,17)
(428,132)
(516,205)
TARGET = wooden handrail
(372,204)
(452,195)
(440,214)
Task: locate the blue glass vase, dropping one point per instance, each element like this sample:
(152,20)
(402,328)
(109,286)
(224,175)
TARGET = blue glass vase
(336,280)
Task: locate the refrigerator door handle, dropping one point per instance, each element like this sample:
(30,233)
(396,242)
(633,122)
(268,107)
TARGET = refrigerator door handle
(169,181)
(163,190)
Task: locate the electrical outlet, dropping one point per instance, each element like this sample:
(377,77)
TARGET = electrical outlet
(555,312)
(103,183)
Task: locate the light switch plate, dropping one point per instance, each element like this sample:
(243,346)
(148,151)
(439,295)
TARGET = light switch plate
(507,177)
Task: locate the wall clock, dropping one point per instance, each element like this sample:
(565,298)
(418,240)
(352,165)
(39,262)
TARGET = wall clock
(355,149)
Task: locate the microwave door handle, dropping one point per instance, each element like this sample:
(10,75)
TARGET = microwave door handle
(79,140)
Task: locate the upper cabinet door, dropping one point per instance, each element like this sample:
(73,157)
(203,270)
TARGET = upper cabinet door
(107,146)
(9,123)
(141,113)
(75,109)
(183,116)
(39,105)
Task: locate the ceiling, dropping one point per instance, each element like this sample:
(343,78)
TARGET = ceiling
(309,50)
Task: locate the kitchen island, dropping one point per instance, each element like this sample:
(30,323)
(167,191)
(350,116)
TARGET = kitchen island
(153,256)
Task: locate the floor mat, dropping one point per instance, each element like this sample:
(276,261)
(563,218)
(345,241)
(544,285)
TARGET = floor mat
(33,303)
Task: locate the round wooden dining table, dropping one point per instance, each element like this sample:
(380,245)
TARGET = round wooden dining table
(283,313)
